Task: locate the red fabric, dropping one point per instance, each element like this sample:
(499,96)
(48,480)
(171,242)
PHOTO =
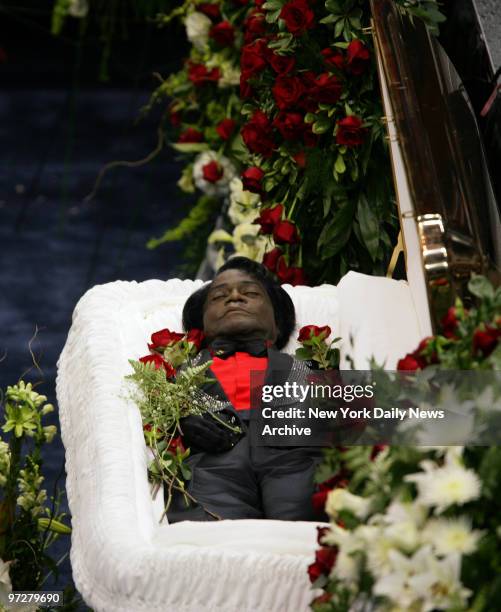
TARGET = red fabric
(234,375)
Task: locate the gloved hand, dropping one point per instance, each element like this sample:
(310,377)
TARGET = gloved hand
(207,434)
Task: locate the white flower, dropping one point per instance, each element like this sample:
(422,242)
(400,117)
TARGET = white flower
(197,29)
(221,186)
(247,241)
(78,8)
(405,511)
(444,486)
(439,587)
(453,535)
(230,75)
(5,583)
(341,499)
(347,564)
(244,205)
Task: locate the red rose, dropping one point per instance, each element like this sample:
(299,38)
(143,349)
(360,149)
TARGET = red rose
(425,360)
(325,559)
(298,16)
(282,64)
(196,337)
(269,217)
(163,338)
(199,75)
(324,598)
(318,500)
(486,341)
(254,27)
(450,323)
(409,363)
(333,58)
(190,135)
(253,58)
(285,232)
(251,179)
(256,134)
(309,138)
(212,171)
(210,10)
(376,449)
(245,89)
(309,331)
(225,128)
(175,118)
(350,131)
(270,259)
(292,275)
(287,90)
(327,89)
(357,57)
(174,444)
(300,159)
(290,125)
(159,362)
(223,33)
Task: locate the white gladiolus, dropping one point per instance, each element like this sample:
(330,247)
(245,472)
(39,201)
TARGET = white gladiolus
(453,535)
(341,499)
(244,205)
(230,75)
(220,187)
(444,486)
(78,8)
(197,29)
(247,241)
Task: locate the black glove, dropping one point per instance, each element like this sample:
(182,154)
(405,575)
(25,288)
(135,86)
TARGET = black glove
(207,434)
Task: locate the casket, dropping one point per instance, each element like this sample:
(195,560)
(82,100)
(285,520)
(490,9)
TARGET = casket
(123,558)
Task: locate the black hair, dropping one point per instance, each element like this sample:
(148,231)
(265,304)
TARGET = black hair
(283,308)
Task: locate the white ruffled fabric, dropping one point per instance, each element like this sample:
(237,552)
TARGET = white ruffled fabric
(123,560)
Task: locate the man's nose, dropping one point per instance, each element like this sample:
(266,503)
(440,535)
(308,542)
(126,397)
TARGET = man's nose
(235,296)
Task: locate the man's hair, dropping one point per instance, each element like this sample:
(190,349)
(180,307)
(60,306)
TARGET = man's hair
(283,308)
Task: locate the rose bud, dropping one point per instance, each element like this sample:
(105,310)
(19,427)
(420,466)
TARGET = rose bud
(163,338)
(409,363)
(285,232)
(174,444)
(212,172)
(269,218)
(357,57)
(225,128)
(159,362)
(298,16)
(223,33)
(486,341)
(210,10)
(450,323)
(333,58)
(251,179)
(196,337)
(270,259)
(310,331)
(300,159)
(350,131)
(190,135)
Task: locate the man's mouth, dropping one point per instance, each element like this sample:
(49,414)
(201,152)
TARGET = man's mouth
(235,309)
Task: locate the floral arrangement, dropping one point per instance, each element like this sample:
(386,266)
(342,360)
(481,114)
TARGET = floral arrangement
(417,528)
(29,521)
(303,133)
(166,389)
(315,348)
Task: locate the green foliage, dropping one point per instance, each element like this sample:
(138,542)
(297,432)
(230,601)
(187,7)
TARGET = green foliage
(198,218)
(27,526)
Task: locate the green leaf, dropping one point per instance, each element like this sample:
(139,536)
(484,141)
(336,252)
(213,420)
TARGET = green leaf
(340,166)
(337,232)
(321,125)
(303,353)
(190,147)
(369,226)
(480,287)
(329,19)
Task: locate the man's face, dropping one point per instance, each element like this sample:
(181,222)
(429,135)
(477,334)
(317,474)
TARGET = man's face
(237,304)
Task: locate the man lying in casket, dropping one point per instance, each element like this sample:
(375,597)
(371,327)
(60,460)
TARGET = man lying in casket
(247,318)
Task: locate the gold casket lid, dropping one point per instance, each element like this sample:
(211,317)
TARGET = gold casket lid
(443,185)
